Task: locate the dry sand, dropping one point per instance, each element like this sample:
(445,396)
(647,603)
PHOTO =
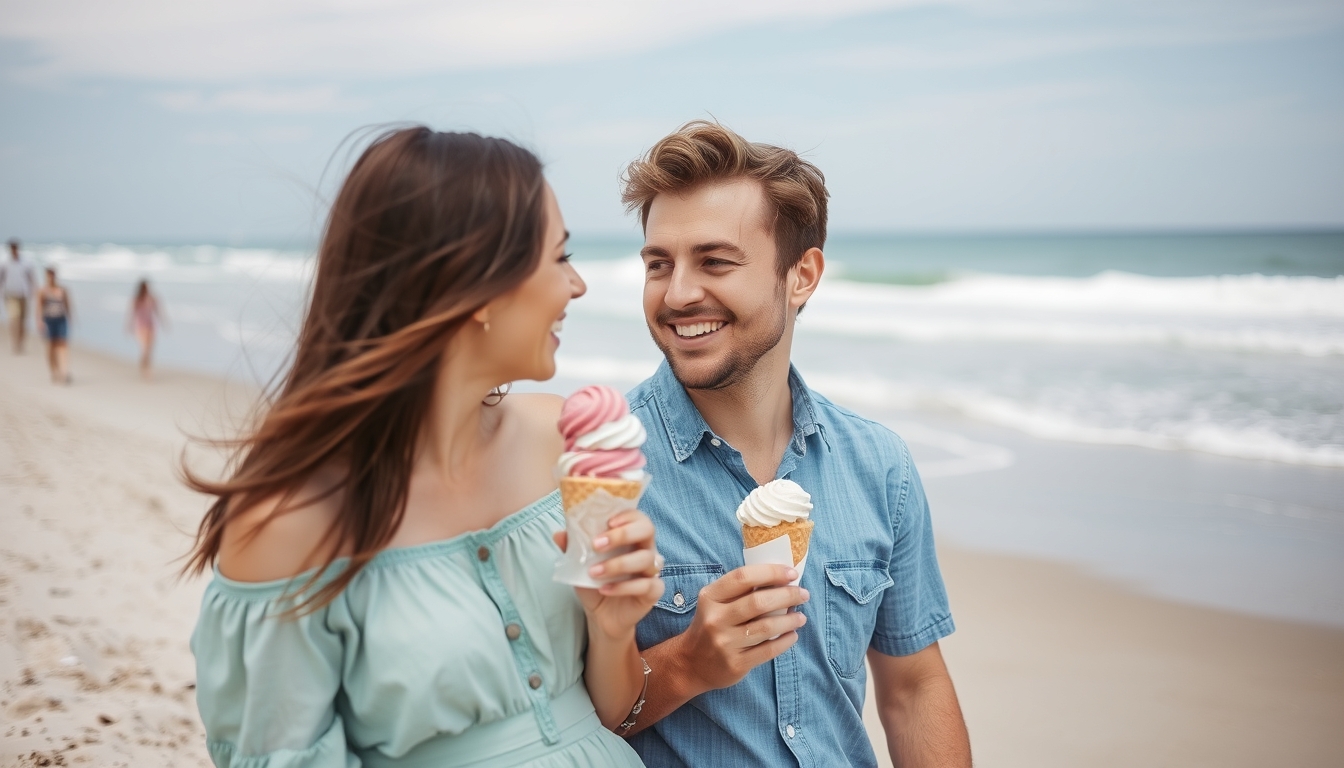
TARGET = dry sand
(94,664)
(1054,667)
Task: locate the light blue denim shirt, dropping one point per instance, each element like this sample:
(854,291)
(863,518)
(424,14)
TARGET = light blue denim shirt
(871,572)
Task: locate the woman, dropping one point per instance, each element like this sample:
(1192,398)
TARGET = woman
(54,301)
(145,316)
(383,548)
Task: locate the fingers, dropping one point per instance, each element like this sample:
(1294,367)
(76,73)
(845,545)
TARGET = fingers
(561,539)
(761,630)
(764,601)
(648,589)
(641,562)
(769,649)
(631,528)
(747,579)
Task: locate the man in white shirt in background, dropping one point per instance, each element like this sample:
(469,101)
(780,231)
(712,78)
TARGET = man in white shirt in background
(18,282)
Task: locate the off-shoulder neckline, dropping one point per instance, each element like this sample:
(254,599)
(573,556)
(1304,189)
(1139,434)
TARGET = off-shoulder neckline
(485,537)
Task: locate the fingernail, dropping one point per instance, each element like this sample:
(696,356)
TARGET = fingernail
(792,574)
(601,542)
(806,595)
(597,570)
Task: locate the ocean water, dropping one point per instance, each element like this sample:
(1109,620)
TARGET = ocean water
(1230,344)
(1167,410)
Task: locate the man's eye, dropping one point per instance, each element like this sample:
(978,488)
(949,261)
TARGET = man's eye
(654,266)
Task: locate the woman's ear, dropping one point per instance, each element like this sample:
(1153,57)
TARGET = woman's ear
(482,316)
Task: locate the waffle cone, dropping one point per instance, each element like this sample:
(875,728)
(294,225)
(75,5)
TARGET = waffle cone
(799,533)
(574,490)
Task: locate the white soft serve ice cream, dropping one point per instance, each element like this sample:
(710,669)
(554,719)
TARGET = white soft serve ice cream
(778,501)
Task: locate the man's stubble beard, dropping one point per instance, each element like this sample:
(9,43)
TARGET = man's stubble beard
(739,363)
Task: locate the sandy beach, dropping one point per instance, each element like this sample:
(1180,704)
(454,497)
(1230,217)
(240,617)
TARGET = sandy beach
(1055,667)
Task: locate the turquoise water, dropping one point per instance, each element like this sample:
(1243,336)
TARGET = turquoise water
(1224,343)
(1215,357)
(927,259)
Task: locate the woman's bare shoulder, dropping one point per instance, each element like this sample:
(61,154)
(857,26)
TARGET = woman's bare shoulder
(538,405)
(282,536)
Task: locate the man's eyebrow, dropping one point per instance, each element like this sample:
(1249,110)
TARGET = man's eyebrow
(699,249)
(716,246)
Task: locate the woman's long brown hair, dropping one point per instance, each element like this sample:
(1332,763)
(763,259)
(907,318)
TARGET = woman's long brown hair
(426,229)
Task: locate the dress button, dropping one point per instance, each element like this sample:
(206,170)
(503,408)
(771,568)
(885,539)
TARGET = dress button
(789,730)
(678,599)
(513,631)
(483,554)
(534,680)
(716,442)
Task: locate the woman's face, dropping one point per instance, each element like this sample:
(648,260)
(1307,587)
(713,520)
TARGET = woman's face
(525,323)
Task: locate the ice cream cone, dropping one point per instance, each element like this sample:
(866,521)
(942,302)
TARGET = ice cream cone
(574,490)
(799,533)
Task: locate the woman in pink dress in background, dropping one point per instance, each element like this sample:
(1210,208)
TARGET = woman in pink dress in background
(145,317)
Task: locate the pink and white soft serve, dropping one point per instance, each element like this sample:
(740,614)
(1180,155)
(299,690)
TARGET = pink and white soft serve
(602,438)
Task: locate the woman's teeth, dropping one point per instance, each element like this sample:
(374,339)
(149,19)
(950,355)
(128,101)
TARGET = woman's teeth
(698,329)
(557,326)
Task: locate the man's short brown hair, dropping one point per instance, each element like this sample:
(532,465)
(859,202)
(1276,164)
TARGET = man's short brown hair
(701,151)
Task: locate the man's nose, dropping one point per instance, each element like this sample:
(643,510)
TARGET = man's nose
(683,289)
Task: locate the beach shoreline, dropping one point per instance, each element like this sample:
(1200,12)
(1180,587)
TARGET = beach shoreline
(1054,665)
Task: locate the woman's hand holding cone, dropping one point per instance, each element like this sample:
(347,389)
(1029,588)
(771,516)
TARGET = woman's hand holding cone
(617,606)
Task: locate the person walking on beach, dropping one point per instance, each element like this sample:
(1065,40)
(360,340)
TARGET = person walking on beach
(733,237)
(145,316)
(18,283)
(54,302)
(383,549)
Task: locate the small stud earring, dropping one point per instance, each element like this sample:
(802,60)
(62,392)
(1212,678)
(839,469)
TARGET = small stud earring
(487,326)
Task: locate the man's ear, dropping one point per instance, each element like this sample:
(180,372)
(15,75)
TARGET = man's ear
(805,276)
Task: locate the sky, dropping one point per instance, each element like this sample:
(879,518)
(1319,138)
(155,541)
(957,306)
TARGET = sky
(161,121)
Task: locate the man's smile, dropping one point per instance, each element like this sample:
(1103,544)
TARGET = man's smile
(694,330)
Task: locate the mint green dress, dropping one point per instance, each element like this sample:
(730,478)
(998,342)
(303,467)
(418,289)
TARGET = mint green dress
(455,653)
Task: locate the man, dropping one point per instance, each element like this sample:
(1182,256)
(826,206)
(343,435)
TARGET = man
(18,283)
(733,238)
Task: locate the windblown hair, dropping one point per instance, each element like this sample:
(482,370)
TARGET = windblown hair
(427,228)
(701,151)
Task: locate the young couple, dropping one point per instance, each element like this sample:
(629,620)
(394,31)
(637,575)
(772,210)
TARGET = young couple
(384,543)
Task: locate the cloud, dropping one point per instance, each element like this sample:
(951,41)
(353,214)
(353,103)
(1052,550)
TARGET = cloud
(1036,33)
(326,98)
(172,41)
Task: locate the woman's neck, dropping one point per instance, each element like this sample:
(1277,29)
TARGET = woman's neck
(459,428)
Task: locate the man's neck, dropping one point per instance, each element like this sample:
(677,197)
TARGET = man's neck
(755,415)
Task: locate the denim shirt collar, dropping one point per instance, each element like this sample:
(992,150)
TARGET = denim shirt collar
(687,429)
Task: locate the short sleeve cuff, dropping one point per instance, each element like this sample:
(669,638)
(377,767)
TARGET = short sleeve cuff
(330,751)
(904,645)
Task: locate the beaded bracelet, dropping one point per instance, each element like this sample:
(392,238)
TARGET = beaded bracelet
(629,723)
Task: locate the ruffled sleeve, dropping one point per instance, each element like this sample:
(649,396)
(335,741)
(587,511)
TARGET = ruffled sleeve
(266,685)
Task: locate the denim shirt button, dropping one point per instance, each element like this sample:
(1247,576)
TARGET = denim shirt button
(789,730)
(678,599)
(716,442)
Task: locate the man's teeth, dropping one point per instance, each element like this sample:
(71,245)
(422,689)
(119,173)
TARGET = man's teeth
(698,329)
(557,326)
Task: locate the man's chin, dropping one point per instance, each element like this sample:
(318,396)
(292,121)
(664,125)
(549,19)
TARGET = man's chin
(701,374)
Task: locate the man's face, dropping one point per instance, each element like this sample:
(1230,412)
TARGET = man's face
(712,298)
(14,252)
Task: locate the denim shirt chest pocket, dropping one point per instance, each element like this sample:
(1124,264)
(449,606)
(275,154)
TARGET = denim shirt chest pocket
(681,591)
(853,595)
